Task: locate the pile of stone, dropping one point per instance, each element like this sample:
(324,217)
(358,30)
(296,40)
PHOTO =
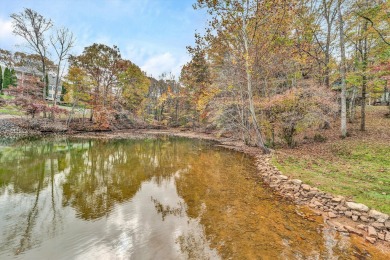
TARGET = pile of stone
(375,224)
(10,129)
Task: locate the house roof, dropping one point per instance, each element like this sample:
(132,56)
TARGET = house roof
(28,70)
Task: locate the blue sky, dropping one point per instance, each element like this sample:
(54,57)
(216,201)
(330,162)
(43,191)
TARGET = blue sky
(151,33)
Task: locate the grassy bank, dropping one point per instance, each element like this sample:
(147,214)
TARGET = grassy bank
(10,110)
(357,167)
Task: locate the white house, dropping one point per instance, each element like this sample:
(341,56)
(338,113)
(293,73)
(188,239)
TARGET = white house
(52,86)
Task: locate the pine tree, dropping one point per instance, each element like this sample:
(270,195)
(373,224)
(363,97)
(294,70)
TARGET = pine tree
(13,78)
(7,78)
(1,80)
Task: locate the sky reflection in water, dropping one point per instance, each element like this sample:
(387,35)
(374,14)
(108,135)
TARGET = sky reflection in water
(165,198)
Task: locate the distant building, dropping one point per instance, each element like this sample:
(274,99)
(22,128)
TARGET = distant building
(52,86)
(25,74)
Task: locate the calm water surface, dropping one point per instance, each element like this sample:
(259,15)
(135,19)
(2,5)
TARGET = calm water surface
(164,198)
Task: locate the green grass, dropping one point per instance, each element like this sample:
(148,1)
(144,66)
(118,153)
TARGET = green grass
(10,110)
(6,97)
(359,171)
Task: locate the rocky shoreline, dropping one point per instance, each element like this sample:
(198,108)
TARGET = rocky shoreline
(368,223)
(345,216)
(9,128)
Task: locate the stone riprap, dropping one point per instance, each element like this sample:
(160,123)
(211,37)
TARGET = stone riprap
(375,224)
(9,128)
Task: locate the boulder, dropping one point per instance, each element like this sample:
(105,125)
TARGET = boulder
(378,216)
(357,206)
(355,218)
(332,215)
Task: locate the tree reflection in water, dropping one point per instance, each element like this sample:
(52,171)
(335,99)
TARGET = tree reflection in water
(167,197)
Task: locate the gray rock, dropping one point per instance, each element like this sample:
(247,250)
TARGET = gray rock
(317,203)
(387,236)
(332,215)
(361,226)
(296,182)
(378,216)
(337,199)
(355,218)
(357,213)
(364,219)
(381,236)
(343,208)
(305,187)
(378,225)
(311,194)
(348,213)
(283,177)
(372,232)
(357,206)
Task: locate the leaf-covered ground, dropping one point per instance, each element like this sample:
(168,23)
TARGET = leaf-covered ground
(357,167)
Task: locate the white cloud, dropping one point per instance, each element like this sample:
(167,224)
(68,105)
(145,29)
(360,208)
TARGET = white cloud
(161,63)
(7,39)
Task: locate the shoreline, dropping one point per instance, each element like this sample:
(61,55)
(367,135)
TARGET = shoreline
(346,217)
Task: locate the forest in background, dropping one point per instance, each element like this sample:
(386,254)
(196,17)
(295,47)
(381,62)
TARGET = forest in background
(265,72)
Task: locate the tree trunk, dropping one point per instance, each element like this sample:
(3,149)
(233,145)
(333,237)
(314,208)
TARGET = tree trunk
(260,141)
(56,88)
(352,105)
(44,77)
(327,56)
(342,72)
(57,83)
(364,78)
(70,115)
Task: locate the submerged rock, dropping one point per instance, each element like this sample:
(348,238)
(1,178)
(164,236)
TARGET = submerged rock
(372,240)
(372,232)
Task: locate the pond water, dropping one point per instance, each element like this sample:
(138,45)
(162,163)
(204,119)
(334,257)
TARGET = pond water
(160,198)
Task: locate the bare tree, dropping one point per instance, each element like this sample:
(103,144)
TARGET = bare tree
(329,13)
(62,41)
(32,27)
